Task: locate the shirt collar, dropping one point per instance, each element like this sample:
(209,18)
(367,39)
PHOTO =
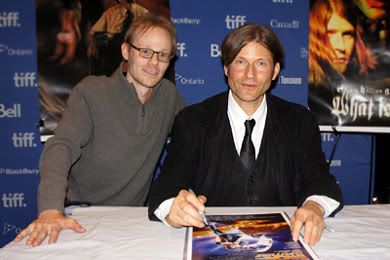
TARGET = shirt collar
(238,116)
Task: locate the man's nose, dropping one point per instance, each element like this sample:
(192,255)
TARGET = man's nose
(250,70)
(154,59)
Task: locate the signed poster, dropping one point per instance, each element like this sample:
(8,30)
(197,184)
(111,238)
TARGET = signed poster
(249,236)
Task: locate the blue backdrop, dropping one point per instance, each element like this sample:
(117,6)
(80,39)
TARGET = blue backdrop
(201,26)
(19,117)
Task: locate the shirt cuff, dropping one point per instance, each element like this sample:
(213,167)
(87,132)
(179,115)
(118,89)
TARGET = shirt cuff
(163,210)
(329,205)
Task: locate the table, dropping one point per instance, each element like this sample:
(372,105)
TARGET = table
(360,232)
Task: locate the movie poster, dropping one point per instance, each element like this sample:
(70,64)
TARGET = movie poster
(78,38)
(349,61)
(249,236)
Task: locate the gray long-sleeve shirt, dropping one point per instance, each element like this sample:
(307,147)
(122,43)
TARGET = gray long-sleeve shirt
(108,143)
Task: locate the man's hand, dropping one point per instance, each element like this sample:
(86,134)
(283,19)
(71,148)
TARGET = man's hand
(185,210)
(49,223)
(310,215)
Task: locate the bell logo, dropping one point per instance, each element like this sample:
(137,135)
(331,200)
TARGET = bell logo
(214,50)
(181,47)
(234,21)
(10,19)
(13,112)
(23,140)
(13,200)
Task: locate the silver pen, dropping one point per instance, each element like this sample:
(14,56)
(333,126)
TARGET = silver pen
(328,228)
(201,213)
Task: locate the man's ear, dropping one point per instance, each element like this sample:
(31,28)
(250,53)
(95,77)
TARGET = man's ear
(125,51)
(276,71)
(225,70)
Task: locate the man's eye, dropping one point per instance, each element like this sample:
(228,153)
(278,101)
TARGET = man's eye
(164,54)
(261,63)
(240,62)
(146,52)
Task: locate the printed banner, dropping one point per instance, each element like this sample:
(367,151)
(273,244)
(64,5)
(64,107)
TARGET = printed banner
(349,76)
(19,118)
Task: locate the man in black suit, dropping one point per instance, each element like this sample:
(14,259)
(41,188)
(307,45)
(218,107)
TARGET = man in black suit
(246,147)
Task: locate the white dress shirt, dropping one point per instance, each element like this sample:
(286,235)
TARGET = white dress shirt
(237,118)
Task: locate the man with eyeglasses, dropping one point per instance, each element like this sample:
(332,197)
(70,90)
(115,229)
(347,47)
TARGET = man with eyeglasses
(108,143)
(246,147)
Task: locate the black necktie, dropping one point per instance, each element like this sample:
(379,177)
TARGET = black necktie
(247,154)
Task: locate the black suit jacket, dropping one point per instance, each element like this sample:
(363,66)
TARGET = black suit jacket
(202,150)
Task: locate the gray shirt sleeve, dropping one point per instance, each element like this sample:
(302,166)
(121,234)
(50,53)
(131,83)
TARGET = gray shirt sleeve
(63,150)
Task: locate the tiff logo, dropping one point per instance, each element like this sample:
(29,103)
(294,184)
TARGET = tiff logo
(15,111)
(10,19)
(13,200)
(214,50)
(23,140)
(234,21)
(25,79)
(181,47)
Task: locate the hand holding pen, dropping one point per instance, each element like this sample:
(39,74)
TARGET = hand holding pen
(201,213)
(186,209)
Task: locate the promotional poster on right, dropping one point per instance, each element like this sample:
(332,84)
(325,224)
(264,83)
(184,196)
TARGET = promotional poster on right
(349,64)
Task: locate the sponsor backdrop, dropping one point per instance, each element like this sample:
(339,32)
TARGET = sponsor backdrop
(19,115)
(201,26)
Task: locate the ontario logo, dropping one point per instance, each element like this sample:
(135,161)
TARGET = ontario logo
(188,81)
(10,228)
(4,49)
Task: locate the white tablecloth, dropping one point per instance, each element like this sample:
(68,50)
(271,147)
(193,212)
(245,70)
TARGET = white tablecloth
(360,232)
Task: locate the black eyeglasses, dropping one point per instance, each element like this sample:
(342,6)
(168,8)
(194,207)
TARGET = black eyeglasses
(148,54)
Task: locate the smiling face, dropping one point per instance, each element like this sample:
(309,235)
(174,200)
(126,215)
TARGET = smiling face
(250,75)
(142,72)
(341,34)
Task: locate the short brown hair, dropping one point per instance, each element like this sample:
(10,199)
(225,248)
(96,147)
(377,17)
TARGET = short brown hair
(237,39)
(148,21)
